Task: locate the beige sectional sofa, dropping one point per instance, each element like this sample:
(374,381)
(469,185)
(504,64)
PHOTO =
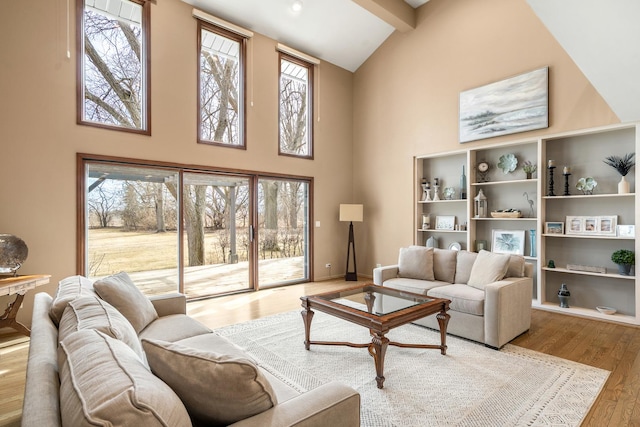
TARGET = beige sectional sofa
(104,354)
(490,293)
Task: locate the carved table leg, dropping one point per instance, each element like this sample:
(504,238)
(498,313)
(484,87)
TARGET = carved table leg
(307,316)
(8,319)
(377,349)
(443,321)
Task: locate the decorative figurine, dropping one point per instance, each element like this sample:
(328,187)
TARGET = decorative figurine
(551,264)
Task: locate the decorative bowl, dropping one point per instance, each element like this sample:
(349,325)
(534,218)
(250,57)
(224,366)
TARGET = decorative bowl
(506,214)
(606,310)
(586,185)
(508,163)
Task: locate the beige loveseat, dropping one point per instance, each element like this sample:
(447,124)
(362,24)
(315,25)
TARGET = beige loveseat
(490,293)
(104,354)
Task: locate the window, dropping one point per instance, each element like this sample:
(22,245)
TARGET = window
(113,72)
(296,107)
(221,86)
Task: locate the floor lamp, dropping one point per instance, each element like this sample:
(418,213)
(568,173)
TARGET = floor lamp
(351,213)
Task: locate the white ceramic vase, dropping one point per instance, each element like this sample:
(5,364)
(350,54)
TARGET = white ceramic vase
(623,186)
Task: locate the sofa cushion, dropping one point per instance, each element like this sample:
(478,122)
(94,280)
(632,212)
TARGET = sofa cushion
(173,327)
(444,264)
(489,267)
(416,262)
(413,285)
(119,291)
(69,289)
(216,388)
(516,266)
(103,382)
(464,298)
(464,264)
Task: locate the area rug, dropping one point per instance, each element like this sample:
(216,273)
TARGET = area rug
(470,386)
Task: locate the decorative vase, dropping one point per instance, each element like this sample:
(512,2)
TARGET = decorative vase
(532,243)
(563,296)
(529,175)
(623,186)
(463,185)
(432,242)
(624,269)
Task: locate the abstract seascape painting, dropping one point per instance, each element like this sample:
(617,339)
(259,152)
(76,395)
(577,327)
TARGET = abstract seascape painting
(516,104)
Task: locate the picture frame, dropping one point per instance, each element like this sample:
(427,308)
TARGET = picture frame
(445,222)
(553,227)
(607,225)
(575,225)
(507,242)
(626,230)
(591,225)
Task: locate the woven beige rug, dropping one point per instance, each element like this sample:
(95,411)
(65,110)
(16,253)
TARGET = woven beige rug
(471,386)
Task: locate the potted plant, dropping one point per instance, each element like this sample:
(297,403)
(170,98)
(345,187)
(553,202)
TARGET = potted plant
(625,259)
(529,168)
(622,165)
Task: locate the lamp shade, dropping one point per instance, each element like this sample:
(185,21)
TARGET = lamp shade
(351,213)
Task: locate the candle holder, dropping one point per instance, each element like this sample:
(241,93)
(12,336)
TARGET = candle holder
(566,184)
(436,189)
(426,192)
(551,169)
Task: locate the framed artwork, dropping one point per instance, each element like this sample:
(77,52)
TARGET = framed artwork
(575,224)
(607,225)
(626,230)
(445,222)
(508,242)
(592,225)
(554,228)
(516,104)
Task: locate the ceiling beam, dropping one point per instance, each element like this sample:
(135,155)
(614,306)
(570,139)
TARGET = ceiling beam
(396,13)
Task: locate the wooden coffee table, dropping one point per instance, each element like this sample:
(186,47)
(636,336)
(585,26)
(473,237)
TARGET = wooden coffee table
(415,307)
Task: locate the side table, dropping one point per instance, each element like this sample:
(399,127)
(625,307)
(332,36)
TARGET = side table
(18,286)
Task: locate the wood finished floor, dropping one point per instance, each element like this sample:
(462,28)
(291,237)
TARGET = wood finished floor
(604,345)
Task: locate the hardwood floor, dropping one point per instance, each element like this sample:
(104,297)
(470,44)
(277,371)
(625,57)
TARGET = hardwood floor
(604,345)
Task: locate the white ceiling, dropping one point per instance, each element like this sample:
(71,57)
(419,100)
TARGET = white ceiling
(337,31)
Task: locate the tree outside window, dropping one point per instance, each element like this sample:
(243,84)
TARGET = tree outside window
(221,86)
(113,74)
(296,107)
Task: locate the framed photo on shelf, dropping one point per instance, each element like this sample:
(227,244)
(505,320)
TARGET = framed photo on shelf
(554,228)
(607,225)
(508,242)
(447,222)
(626,230)
(575,224)
(591,225)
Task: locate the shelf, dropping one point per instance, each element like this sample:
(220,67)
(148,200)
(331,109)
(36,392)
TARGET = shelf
(582,236)
(512,181)
(589,273)
(589,196)
(442,201)
(586,312)
(505,219)
(531,258)
(433,230)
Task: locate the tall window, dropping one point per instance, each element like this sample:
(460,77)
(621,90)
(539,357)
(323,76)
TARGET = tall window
(221,86)
(113,72)
(296,107)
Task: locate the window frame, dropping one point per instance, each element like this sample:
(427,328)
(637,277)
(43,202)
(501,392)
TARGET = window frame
(310,103)
(145,63)
(242,73)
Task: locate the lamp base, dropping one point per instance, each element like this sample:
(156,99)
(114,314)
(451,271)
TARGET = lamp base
(351,277)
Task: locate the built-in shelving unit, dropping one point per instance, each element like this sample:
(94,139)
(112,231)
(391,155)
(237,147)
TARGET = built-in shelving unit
(583,152)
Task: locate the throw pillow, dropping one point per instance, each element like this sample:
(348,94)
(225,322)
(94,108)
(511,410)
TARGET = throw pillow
(69,289)
(216,389)
(489,267)
(516,266)
(416,262)
(94,313)
(104,383)
(464,263)
(444,264)
(119,291)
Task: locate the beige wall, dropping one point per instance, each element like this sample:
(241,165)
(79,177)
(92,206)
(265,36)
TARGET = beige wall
(406,101)
(40,139)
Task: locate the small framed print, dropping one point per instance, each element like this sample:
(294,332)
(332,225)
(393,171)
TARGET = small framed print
(554,228)
(508,242)
(591,225)
(626,230)
(575,224)
(445,222)
(607,225)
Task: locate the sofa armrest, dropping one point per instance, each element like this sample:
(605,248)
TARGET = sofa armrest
(332,404)
(507,310)
(380,274)
(169,304)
